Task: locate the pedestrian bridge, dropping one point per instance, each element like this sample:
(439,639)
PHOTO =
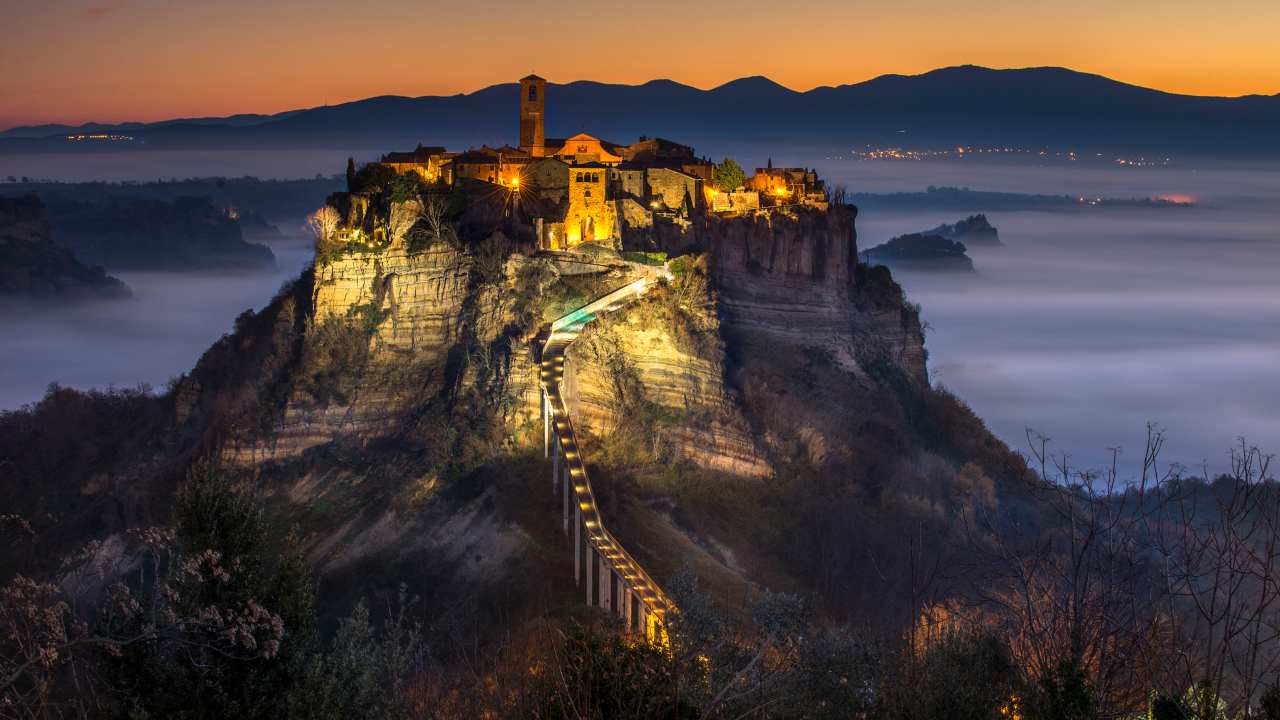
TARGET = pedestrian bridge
(609,577)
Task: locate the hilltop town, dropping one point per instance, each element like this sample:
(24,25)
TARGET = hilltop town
(559,193)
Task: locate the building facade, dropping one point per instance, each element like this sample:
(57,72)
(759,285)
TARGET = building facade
(585,189)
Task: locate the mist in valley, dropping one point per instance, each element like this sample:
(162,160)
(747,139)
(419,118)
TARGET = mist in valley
(1085,326)
(1090,323)
(158,335)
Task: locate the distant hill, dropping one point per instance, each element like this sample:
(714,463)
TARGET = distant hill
(33,267)
(973,230)
(1035,107)
(921,252)
(186,234)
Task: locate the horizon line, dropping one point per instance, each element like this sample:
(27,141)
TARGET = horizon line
(709,88)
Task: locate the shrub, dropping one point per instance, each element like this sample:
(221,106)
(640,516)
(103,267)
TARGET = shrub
(608,676)
(1065,694)
(962,675)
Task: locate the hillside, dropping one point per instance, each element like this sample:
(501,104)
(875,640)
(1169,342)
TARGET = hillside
(344,508)
(1034,107)
(922,252)
(35,268)
(182,234)
(384,349)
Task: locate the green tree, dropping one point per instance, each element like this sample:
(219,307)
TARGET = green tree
(225,557)
(728,175)
(362,674)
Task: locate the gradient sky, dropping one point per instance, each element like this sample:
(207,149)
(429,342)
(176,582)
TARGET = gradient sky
(116,60)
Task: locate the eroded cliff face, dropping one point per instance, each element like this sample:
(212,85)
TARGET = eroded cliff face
(794,277)
(391,332)
(657,370)
(781,285)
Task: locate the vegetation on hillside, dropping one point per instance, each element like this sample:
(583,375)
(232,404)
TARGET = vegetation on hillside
(900,564)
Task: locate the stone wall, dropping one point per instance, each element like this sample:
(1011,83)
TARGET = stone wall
(627,182)
(547,178)
(673,188)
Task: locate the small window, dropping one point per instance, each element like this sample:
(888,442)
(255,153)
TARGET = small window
(579,178)
(595,177)
(533,92)
(586,193)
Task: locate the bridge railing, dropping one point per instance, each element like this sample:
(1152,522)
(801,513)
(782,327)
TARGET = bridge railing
(620,584)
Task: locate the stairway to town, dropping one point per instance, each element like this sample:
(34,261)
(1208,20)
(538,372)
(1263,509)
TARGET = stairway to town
(610,578)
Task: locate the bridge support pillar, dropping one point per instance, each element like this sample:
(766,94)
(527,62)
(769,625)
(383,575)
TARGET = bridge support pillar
(555,463)
(590,561)
(625,595)
(619,594)
(606,581)
(577,545)
(564,483)
(642,618)
(546,423)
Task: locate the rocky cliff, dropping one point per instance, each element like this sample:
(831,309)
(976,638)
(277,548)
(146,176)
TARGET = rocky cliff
(657,370)
(794,277)
(393,329)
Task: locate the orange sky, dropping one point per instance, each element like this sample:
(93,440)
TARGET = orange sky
(115,60)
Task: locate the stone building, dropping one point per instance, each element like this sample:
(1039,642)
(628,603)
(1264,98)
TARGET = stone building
(786,185)
(674,190)
(592,215)
(533,113)
(585,189)
(425,161)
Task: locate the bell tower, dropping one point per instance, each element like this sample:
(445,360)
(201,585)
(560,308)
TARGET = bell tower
(533,107)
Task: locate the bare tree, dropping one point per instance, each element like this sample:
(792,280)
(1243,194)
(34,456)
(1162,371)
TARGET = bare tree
(1079,588)
(435,213)
(323,223)
(50,632)
(1219,544)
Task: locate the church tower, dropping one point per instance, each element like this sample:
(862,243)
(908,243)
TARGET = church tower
(533,106)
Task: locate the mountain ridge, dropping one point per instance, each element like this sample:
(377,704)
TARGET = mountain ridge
(964,104)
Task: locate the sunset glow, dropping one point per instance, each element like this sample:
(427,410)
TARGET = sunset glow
(116,60)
